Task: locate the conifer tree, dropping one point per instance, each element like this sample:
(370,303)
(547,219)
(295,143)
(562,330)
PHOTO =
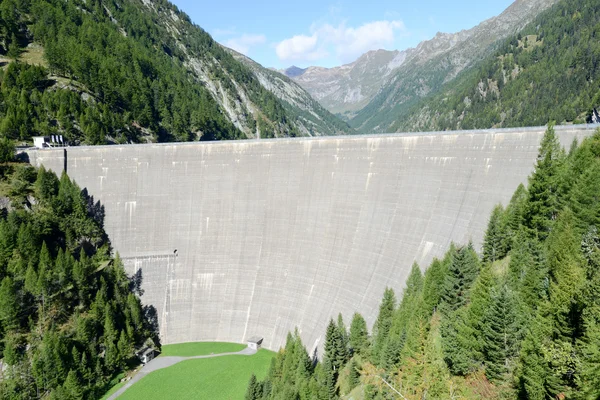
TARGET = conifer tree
(72,387)
(536,378)
(354,375)
(585,200)
(462,271)
(501,333)
(543,204)
(567,276)
(359,335)
(495,236)
(343,345)
(433,283)
(251,391)
(9,305)
(383,323)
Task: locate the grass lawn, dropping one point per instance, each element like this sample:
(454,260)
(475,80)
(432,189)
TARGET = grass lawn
(200,348)
(219,378)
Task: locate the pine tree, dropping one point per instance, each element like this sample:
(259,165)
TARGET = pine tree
(383,323)
(567,276)
(9,305)
(585,200)
(72,387)
(501,333)
(251,391)
(461,273)
(359,336)
(344,339)
(494,242)
(433,284)
(536,378)
(354,374)
(543,204)
(14,51)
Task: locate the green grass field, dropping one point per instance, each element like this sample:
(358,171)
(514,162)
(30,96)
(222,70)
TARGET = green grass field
(200,348)
(219,378)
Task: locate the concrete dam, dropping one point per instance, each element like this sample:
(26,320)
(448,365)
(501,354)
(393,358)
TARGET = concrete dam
(244,238)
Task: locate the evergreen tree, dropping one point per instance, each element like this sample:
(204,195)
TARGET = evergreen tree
(435,277)
(543,204)
(359,335)
(383,323)
(501,333)
(495,236)
(585,199)
(9,305)
(537,381)
(462,271)
(252,392)
(7,150)
(72,387)
(344,339)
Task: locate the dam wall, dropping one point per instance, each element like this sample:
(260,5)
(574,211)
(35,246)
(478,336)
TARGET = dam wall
(244,238)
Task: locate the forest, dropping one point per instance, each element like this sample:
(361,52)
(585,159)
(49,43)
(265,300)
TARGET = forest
(70,318)
(519,321)
(112,72)
(549,71)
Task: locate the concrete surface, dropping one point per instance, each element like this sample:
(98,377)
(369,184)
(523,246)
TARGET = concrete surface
(164,362)
(276,234)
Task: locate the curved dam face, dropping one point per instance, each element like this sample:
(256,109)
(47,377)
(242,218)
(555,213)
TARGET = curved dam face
(246,238)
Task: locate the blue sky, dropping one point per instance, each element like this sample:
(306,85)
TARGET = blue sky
(330,33)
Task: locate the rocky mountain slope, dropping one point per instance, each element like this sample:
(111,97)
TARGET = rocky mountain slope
(310,117)
(372,91)
(547,72)
(128,71)
(345,90)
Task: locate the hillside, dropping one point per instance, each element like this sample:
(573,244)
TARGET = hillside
(70,318)
(372,91)
(346,89)
(129,71)
(520,322)
(548,72)
(437,62)
(310,117)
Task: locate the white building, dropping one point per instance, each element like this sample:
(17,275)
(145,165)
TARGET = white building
(255,342)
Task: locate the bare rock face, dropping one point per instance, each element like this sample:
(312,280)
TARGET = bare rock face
(348,88)
(310,117)
(381,81)
(5,204)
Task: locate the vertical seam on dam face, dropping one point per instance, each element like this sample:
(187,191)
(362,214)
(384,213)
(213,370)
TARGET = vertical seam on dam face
(273,235)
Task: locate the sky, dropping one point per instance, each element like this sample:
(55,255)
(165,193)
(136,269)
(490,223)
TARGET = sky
(331,33)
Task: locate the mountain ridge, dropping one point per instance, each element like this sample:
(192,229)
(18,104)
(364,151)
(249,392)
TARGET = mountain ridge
(414,73)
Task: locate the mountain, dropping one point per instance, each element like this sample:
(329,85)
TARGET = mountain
(372,91)
(547,72)
(310,117)
(293,71)
(346,89)
(127,71)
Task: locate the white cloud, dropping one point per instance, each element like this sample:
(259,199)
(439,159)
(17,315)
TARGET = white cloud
(348,43)
(244,43)
(300,48)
